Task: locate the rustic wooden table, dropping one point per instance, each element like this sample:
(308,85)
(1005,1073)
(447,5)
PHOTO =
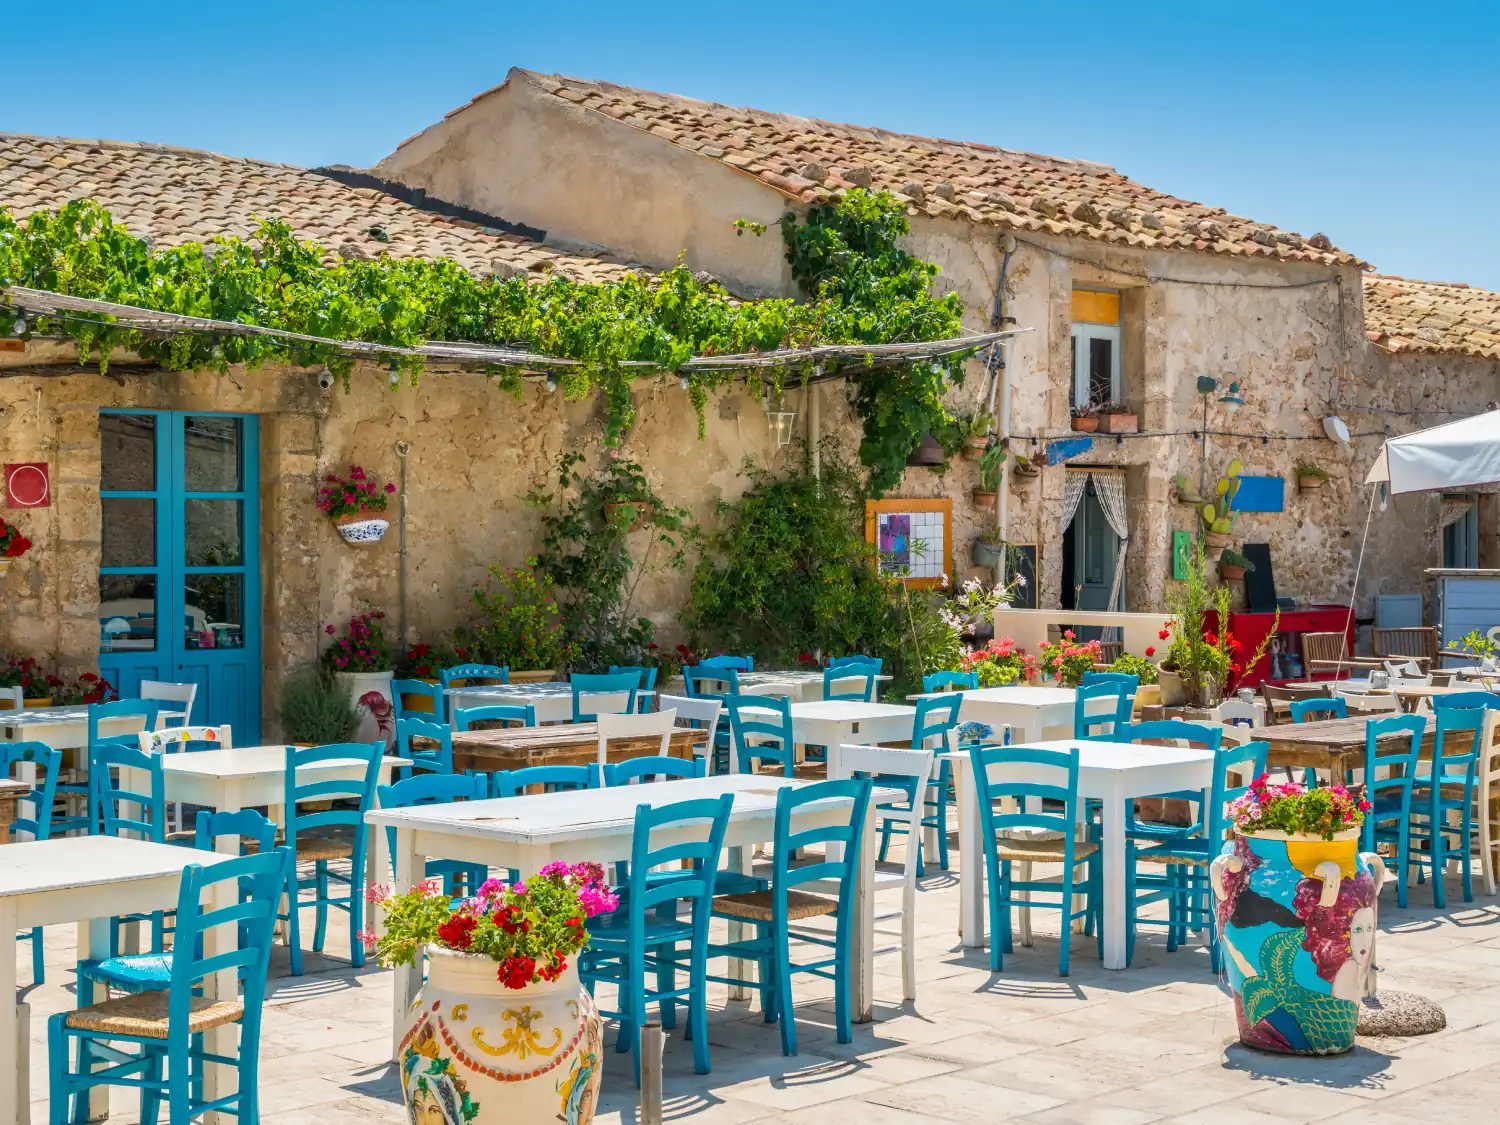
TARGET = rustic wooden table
(1338,745)
(573,744)
(10,793)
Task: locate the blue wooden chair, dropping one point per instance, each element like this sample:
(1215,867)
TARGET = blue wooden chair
(934,719)
(38,825)
(552,779)
(425,759)
(646,931)
(166,1027)
(1198,736)
(626,684)
(421,689)
(320,835)
(712,681)
(856,680)
(946,681)
(470,674)
(1095,724)
(114,808)
(733,663)
(649,769)
(438,789)
(772,732)
(1034,837)
(1311,711)
(1444,786)
(1126,679)
(1390,797)
(647,683)
(858,658)
(506,713)
(149,972)
(79,793)
(1182,861)
(771,912)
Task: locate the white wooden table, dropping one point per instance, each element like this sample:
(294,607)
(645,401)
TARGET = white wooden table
(553,699)
(831,723)
(62,728)
(87,880)
(598,825)
(1113,773)
(1029,711)
(797,684)
(243,778)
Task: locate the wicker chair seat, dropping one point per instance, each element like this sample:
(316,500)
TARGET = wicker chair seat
(1042,850)
(756,905)
(144,1015)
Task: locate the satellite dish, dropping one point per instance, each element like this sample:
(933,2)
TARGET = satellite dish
(1335,429)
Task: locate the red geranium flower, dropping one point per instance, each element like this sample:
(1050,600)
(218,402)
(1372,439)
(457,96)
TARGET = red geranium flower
(458,931)
(1150,650)
(1163,635)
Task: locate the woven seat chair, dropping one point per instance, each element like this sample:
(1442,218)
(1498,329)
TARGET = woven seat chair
(1419,643)
(1329,652)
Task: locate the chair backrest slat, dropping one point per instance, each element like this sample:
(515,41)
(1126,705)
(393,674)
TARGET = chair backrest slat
(852,678)
(771,731)
(168,692)
(468,675)
(552,779)
(652,769)
(435,759)
(405,692)
(950,681)
(734,663)
(48,762)
(109,790)
(1311,710)
(937,719)
(174,740)
(596,694)
(522,714)
(1092,722)
(306,783)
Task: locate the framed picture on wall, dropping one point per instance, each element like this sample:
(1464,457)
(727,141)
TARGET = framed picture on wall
(1182,554)
(913,537)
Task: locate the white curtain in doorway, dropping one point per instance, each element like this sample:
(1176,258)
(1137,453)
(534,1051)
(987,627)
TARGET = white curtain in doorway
(1110,488)
(1074,485)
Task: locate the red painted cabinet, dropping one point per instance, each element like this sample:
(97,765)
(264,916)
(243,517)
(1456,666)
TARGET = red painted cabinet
(1251,628)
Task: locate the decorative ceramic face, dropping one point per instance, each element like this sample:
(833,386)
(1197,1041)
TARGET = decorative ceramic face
(1362,935)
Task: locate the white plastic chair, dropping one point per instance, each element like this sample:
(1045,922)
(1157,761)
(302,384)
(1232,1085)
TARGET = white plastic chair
(1488,769)
(634,725)
(171,740)
(1234,711)
(14,697)
(1406,672)
(704,711)
(918,765)
(172,693)
(1359,699)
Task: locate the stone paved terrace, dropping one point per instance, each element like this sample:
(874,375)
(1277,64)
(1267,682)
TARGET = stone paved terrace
(1155,1043)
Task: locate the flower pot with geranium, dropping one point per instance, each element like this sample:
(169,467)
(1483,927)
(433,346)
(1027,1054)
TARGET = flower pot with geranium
(502,1031)
(1000,663)
(1068,658)
(13,545)
(88,688)
(356,504)
(1296,914)
(37,687)
(362,661)
(521,629)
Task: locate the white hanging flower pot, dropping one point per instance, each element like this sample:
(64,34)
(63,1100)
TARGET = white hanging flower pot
(360,529)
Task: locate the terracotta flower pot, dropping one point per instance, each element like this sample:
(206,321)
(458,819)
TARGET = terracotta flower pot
(1120,424)
(1173,693)
(1231,573)
(1296,920)
(975,445)
(1307,484)
(929,451)
(985,501)
(1086,425)
(39,703)
(362,528)
(1215,540)
(477,1053)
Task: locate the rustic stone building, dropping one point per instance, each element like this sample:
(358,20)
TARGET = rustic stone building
(1129,294)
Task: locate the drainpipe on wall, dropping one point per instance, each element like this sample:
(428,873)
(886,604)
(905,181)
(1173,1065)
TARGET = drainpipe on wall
(814,428)
(1000,385)
(402,449)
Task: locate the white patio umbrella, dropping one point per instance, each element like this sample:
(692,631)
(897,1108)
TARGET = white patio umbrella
(1454,455)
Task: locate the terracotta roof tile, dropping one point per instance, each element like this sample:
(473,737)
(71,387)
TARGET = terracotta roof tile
(1402,315)
(1021,190)
(173,195)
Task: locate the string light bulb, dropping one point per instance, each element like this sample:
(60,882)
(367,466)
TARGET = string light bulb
(395,373)
(19,327)
(551,383)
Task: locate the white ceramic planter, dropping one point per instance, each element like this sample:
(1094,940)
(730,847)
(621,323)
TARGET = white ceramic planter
(360,532)
(376,715)
(477,1053)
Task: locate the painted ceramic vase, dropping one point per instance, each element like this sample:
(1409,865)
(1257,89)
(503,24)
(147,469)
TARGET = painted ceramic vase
(477,1053)
(1296,919)
(360,529)
(370,692)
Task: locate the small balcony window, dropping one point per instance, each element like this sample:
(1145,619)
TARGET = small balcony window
(1096,348)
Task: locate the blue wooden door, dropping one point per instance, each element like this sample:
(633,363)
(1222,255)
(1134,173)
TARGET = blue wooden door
(179,576)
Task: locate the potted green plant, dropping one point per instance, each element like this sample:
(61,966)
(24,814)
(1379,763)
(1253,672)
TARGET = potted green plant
(37,687)
(1477,644)
(502,969)
(976,432)
(1068,658)
(988,550)
(1023,469)
(1086,418)
(316,710)
(87,688)
(1117,418)
(1187,493)
(13,545)
(1000,663)
(991,469)
(355,505)
(1311,476)
(520,629)
(1233,566)
(1217,515)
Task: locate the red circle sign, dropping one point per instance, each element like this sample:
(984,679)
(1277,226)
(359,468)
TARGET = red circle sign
(27,486)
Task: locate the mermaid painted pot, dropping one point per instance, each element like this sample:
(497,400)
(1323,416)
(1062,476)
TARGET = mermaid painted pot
(1296,919)
(477,1053)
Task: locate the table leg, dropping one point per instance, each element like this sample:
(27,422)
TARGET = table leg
(740,862)
(93,945)
(970,861)
(377,848)
(220,1081)
(408,977)
(862,932)
(1114,880)
(14,1027)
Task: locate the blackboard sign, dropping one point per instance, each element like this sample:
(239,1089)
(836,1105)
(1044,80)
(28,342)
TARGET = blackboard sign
(1260,583)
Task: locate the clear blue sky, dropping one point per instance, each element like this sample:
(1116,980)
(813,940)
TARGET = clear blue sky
(1377,123)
